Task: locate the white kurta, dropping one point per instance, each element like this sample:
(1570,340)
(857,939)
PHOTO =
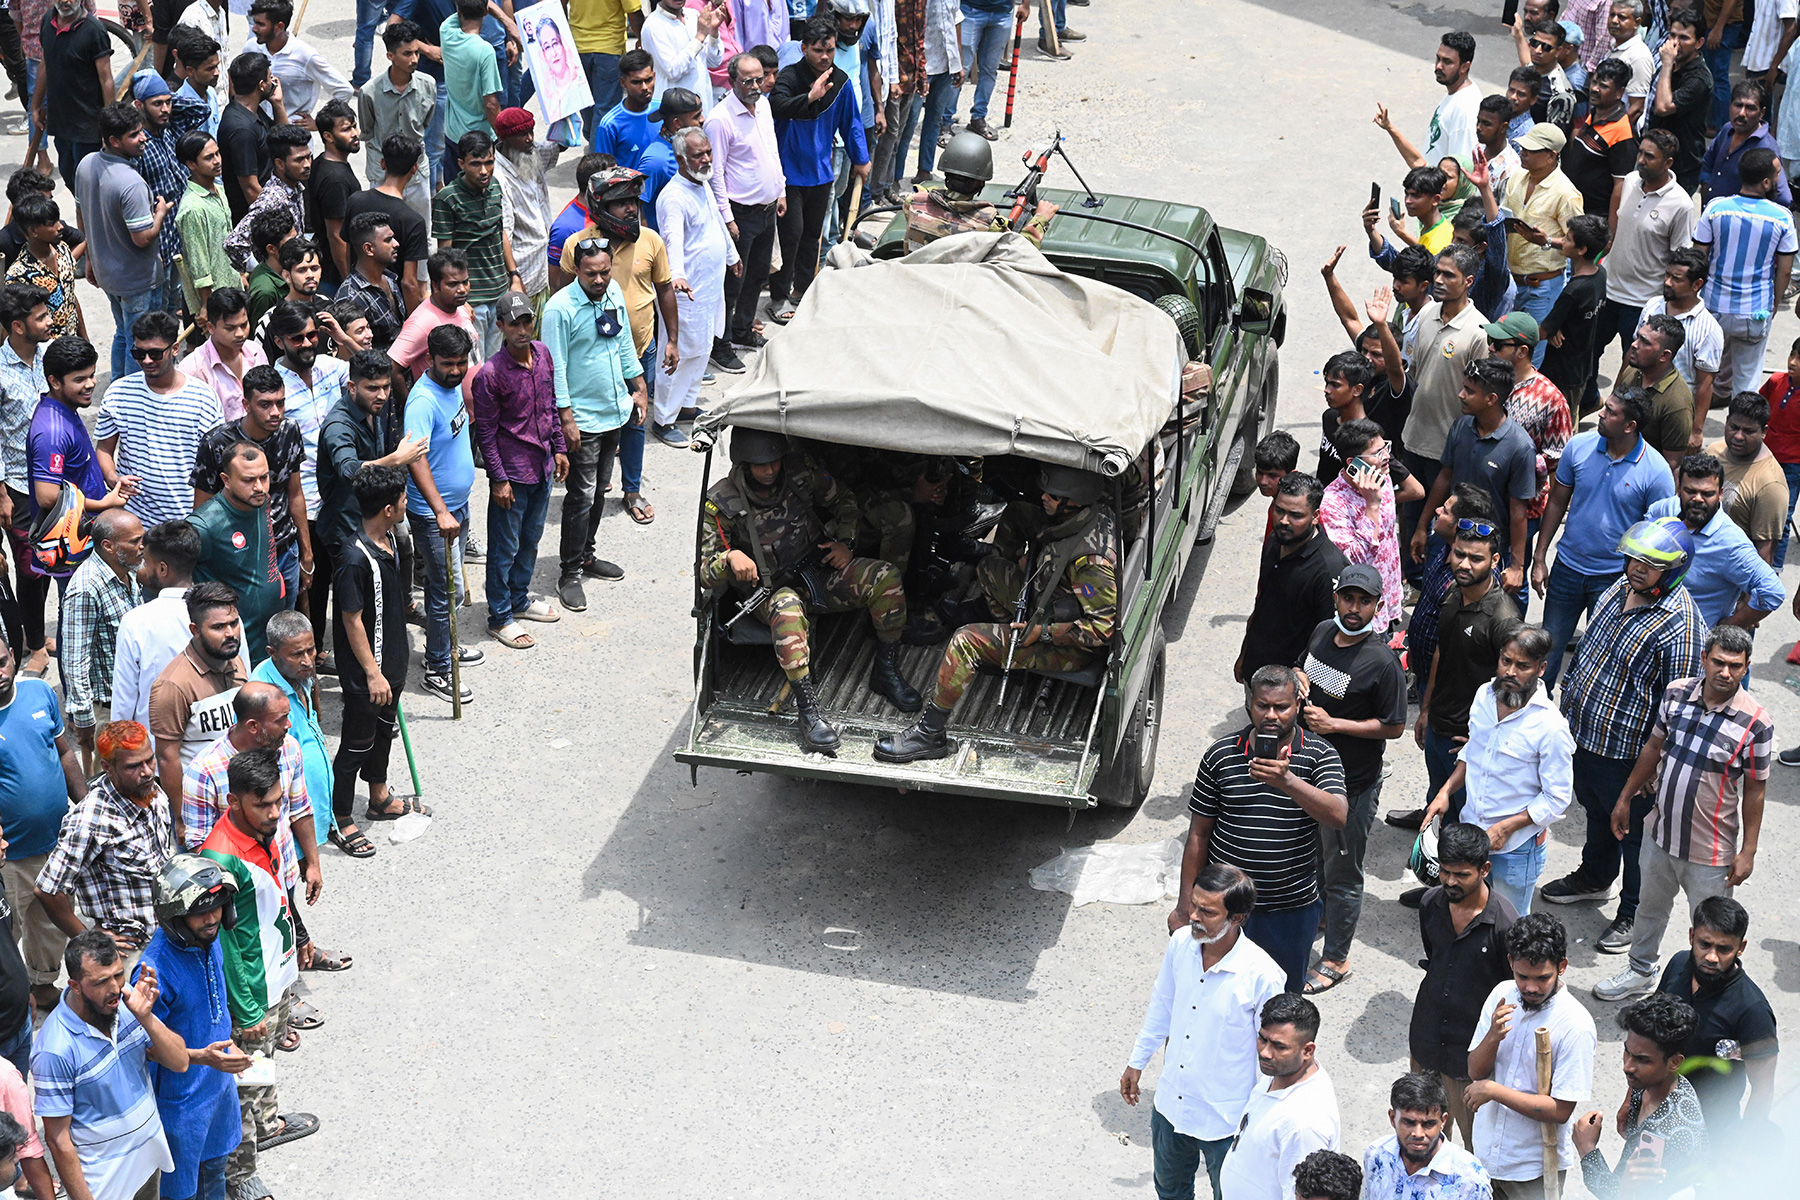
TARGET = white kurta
(700,251)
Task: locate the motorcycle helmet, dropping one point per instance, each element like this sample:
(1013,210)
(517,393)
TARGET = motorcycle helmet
(1665,543)
(62,533)
(1423,862)
(608,187)
(190,884)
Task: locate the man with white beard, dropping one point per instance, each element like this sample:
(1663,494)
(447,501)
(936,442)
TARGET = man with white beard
(700,250)
(525,192)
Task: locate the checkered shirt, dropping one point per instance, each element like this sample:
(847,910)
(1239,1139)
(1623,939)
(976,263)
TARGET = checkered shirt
(95,604)
(161,168)
(1626,662)
(108,855)
(275,194)
(203,802)
(1706,752)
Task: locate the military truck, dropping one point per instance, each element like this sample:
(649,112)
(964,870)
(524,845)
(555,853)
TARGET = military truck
(981,345)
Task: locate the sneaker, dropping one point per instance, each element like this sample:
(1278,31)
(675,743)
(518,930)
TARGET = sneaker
(669,435)
(1071,34)
(472,551)
(439,685)
(1045,50)
(599,568)
(1789,758)
(1412,897)
(709,377)
(570,593)
(1410,819)
(1617,938)
(470,656)
(1625,985)
(749,341)
(726,359)
(1573,888)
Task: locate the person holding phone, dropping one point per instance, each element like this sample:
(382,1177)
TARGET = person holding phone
(1661,1122)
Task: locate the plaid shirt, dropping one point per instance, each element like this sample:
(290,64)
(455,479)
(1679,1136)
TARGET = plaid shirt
(92,608)
(1706,752)
(1626,661)
(275,193)
(385,317)
(1540,408)
(108,855)
(162,170)
(203,789)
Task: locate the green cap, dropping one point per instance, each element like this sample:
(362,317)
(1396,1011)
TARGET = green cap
(1513,327)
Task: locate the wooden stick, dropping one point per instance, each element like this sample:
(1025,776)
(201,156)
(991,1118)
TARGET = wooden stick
(1552,1130)
(299,13)
(455,646)
(1047,27)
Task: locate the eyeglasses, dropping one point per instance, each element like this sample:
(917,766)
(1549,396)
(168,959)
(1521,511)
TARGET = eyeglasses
(1478,528)
(149,353)
(1504,345)
(1546,47)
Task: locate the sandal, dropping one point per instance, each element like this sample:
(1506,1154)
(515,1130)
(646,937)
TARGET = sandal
(353,842)
(409,805)
(539,610)
(782,313)
(290,1041)
(513,635)
(1323,978)
(294,1126)
(311,1020)
(324,960)
(638,508)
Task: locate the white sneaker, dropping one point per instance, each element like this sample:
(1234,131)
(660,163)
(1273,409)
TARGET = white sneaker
(1625,985)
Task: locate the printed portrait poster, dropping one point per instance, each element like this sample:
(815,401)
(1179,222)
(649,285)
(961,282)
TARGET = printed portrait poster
(550,56)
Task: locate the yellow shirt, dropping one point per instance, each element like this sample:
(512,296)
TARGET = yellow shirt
(637,277)
(1437,237)
(1552,204)
(599,25)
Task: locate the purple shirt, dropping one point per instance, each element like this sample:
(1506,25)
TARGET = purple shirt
(516,423)
(60,449)
(746,159)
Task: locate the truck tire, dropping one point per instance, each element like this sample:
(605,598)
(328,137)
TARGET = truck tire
(1244,482)
(1127,781)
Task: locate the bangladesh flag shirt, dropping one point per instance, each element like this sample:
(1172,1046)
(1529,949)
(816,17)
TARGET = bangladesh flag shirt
(260,958)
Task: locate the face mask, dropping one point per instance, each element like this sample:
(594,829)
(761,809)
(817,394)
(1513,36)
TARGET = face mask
(1347,631)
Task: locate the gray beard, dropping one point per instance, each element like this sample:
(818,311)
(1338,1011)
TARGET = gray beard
(525,163)
(700,177)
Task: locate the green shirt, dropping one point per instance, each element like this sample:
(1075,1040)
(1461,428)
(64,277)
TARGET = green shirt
(472,222)
(203,221)
(266,288)
(238,549)
(471,74)
(590,371)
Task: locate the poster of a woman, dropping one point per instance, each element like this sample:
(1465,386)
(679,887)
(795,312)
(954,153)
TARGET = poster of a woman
(562,88)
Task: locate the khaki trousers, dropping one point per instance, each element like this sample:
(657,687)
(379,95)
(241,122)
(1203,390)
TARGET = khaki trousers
(258,1105)
(40,941)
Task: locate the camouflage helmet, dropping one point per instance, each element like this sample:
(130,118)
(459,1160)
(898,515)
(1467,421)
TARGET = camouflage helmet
(189,884)
(756,446)
(1070,483)
(615,183)
(969,157)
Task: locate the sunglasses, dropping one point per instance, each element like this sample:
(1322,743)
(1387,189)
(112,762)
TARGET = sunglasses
(149,353)
(1478,528)
(1546,47)
(311,335)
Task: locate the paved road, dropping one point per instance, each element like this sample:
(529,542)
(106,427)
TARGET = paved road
(593,978)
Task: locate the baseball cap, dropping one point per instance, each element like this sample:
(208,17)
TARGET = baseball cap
(1543,136)
(1360,576)
(676,102)
(1513,327)
(1572,33)
(512,306)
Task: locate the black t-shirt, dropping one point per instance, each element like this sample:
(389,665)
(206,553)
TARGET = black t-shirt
(1331,465)
(286,452)
(403,218)
(15,985)
(1733,1021)
(1293,594)
(1574,314)
(380,607)
(327,193)
(1593,165)
(1468,651)
(1355,683)
(72,99)
(1691,88)
(244,147)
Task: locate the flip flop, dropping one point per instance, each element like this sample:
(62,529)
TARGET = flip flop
(324,960)
(355,843)
(1331,976)
(409,805)
(638,509)
(294,1126)
(517,641)
(782,313)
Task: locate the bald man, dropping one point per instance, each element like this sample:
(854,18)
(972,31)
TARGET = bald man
(103,589)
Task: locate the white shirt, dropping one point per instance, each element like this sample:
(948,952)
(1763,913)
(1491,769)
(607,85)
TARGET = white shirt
(681,57)
(1452,129)
(1765,33)
(150,637)
(307,407)
(159,436)
(1209,1020)
(1511,1146)
(1278,1130)
(1525,763)
(943,49)
(1636,55)
(304,73)
(699,251)
(214,23)
(1705,344)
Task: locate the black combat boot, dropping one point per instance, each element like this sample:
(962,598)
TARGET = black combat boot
(885,678)
(923,739)
(816,732)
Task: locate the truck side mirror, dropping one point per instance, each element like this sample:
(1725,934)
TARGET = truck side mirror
(1256,312)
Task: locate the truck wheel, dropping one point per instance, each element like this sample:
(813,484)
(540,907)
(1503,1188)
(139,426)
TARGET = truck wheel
(1134,767)
(1244,482)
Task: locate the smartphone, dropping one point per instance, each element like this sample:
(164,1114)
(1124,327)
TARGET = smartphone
(1650,1150)
(1394,207)
(1374,195)
(1514,225)
(1268,745)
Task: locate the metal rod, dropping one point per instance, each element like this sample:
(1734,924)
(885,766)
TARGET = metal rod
(1012,78)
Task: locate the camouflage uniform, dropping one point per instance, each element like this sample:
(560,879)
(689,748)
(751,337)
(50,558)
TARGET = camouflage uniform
(1078,619)
(932,213)
(791,531)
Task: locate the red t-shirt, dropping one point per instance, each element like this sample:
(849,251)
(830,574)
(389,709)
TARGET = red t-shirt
(1783,438)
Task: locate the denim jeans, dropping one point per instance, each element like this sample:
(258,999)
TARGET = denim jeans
(631,437)
(1568,594)
(369,14)
(434,139)
(212,1179)
(1522,597)
(940,103)
(1342,872)
(1735,37)
(31,70)
(69,154)
(1058,11)
(1440,764)
(590,470)
(1740,366)
(18,1050)
(513,536)
(603,84)
(289,566)
(126,310)
(1792,471)
(438,601)
(1598,782)
(1514,873)
(487,330)
(1538,299)
(1288,937)
(1177,1159)
(985,37)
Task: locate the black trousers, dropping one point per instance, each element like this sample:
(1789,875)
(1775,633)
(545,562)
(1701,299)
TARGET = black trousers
(590,474)
(12,54)
(317,598)
(368,736)
(755,246)
(801,229)
(30,590)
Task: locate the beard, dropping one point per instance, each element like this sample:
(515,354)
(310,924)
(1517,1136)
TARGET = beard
(699,175)
(1515,694)
(525,163)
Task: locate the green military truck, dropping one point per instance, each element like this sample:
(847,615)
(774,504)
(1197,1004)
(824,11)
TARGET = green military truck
(979,345)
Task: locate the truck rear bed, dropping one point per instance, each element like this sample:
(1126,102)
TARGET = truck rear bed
(1032,749)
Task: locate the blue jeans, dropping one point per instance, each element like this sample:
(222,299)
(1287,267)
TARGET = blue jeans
(31,67)
(1288,937)
(1523,557)
(513,536)
(487,330)
(434,141)
(1440,764)
(69,154)
(1342,874)
(428,543)
(1538,299)
(211,1182)
(18,1050)
(1792,471)
(289,566)
(1735,37)
(1598,782)
(1059,11)
(984,39)
(1567,595)
(1515,873)
(125,310)
(940,103)
(631,437)
(369,14)
(603,83)
(1177,1159)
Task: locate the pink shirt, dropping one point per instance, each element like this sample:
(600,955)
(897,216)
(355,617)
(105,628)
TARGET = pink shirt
(408,349)
(15,1098)
(1367,539)
(204,365)
(746,160)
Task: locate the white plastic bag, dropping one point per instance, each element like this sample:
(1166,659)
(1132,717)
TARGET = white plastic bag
(408,827)
(1117,874)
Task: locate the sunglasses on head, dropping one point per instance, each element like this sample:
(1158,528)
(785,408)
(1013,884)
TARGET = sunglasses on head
(1478,528)
(149,353)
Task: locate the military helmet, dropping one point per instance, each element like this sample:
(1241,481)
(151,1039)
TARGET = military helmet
(1182,311)
(968,157)
(189,884)
(754,446)
(1071,484)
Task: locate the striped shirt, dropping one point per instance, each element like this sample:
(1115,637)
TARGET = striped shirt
(1705,342)
(1260,829)
(93,608)
(103,1085)
(1706,752)
(1765,33)
(203,799)
(306,408)
(158,435)
(1624,664)
(473,223)
(1744,235)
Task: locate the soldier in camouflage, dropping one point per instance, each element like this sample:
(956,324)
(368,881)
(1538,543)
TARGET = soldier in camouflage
(1069,580)
(957,206)
(761,523)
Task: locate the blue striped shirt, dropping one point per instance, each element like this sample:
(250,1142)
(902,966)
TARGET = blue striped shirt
(1744,234)
(102,1083)
(158,438)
